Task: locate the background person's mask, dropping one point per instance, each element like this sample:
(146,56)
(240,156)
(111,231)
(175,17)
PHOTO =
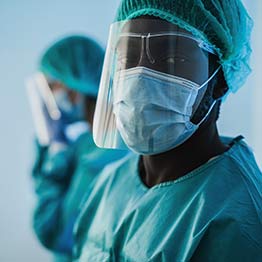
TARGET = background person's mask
(69,111)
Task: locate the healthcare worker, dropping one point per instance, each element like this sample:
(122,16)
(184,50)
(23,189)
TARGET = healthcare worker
(66,169)
(188,194)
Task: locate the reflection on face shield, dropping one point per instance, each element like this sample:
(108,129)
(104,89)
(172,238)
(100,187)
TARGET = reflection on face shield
(174,53)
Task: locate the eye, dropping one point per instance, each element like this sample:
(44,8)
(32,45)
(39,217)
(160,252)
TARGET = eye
(175,59)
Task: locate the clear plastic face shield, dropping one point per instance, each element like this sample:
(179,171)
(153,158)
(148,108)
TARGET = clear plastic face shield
(50,101)
(149,63)
(41,101)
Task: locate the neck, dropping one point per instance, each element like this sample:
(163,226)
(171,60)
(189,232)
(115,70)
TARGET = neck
(197,150)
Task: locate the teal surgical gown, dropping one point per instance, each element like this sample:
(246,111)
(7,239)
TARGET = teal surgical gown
(214,213)
(62,179)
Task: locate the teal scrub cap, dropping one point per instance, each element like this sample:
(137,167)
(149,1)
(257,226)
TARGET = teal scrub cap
(76,61)
(224,24)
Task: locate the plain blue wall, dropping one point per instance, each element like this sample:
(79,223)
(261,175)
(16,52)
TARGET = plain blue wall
(26,28)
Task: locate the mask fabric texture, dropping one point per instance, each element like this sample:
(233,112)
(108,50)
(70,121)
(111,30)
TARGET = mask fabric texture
(153,109)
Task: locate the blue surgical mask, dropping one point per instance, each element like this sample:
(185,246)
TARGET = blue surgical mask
(153,109)
(70,112)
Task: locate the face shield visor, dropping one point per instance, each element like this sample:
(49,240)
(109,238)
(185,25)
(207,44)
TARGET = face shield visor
(145,52)
(51,102)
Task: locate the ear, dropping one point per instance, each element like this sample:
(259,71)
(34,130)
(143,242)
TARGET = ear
(220,87)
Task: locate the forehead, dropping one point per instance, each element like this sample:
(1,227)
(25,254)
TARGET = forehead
(147,24)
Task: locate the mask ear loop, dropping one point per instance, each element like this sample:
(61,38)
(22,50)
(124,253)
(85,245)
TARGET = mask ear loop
(210,78)
(208,112)
(213,104)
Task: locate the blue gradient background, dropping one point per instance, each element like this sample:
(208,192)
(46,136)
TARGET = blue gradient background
(26,28)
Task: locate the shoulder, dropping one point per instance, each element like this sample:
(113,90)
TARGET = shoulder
(120,169)
(236,172)
(232,190)
(83,140)
(240,159)
(239,183)
(113,178)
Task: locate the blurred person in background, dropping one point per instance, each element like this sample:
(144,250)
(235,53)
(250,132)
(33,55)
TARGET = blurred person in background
(67,161)
(188,194)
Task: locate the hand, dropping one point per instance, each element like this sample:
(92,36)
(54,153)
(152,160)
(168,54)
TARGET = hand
(56,128)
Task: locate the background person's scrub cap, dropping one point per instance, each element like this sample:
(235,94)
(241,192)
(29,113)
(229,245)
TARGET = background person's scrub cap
(224,24)
(76,61)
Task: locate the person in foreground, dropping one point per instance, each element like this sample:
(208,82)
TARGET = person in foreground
(188,194)
(66,168)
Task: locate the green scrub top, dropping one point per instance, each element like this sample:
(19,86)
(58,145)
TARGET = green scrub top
(62,179)
(213,213)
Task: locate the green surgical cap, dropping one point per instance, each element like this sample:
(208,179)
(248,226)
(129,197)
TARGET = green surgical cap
(76,61)
(224,24)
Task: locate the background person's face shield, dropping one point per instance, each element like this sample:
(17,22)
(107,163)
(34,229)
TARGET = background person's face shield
(146,43)
(50,101)
(42,102)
